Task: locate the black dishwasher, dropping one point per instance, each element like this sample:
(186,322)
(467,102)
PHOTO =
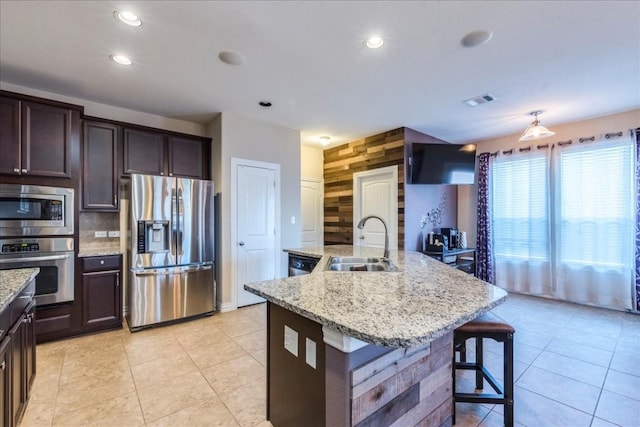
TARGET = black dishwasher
(300,264)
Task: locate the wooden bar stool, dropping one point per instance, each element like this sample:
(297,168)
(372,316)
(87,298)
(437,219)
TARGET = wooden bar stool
(485,326)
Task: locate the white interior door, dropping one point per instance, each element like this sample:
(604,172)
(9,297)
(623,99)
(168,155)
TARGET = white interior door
(255,228)
(312,214)
(375,192)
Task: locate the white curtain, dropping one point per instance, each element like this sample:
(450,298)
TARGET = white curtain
(594,222)
(520,221)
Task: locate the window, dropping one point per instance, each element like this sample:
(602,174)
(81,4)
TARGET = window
(595,195)
(520,206)
(563,223)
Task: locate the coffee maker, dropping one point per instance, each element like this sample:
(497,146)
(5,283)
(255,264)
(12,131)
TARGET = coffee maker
(452,237)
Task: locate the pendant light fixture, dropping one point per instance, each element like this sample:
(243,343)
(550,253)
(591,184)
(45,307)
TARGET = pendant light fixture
(535,130)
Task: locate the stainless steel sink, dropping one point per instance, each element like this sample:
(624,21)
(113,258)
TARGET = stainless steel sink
(360,264)
(353,260)
(356,267)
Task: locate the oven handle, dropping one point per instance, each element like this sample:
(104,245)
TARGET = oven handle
(29,259)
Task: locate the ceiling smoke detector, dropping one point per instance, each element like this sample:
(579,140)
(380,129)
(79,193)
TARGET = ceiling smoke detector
(482,99)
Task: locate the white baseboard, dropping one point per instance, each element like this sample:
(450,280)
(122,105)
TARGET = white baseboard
(225,307)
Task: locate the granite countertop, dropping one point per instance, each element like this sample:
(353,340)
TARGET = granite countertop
(84,253)
(12,282)
(423,301)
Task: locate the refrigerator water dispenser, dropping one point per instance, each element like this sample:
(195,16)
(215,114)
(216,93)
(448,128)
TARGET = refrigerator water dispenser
(153,236)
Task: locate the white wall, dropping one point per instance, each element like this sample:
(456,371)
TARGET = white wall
(114,113)
(239,137)
(311,162)
(468,194)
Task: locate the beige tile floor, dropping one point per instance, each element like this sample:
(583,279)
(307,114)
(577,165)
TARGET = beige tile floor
(574,366)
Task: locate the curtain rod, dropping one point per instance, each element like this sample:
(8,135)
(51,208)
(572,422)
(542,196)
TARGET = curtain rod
(607,135)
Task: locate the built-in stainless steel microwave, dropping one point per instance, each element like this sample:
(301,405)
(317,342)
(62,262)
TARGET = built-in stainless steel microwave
(35,210)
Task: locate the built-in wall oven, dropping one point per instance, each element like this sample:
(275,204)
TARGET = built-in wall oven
(36,230)
(55,258)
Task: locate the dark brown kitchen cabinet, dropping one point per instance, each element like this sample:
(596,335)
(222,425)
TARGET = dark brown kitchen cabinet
(101,292)
(35,138)
(144,152)
(159,153)
(188,158)
(100,175)
(17,355)
(5,381)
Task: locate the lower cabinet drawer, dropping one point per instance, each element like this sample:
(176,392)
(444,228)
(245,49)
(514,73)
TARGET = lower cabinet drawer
(109,262)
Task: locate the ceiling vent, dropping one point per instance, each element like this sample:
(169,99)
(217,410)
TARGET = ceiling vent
(482,99)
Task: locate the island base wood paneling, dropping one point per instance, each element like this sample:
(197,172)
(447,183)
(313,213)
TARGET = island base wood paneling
(403,387)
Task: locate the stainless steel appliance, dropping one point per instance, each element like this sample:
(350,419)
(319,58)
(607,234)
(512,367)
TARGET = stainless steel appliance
(55,258)
(35,210)
(300,264)
(170,249)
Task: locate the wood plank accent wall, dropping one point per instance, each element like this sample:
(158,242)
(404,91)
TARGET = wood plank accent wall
(340,163)
(406,387)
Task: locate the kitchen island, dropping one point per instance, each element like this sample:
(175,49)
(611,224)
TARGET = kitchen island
(366,348)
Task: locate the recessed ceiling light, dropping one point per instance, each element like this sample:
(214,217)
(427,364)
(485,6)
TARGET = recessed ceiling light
(121,59)
(230,57)
(127,17)
(476,38)
(324,139)
(374,42)
(265,104)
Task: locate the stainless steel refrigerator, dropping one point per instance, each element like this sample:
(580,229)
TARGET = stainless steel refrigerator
(170,249)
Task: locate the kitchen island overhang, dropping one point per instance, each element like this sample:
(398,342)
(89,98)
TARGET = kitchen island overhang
(393,330)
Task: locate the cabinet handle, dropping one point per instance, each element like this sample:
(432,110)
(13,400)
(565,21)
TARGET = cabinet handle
(101,261)
(115,199)
(3,365)
(16,170)
(24,171)
(117,280)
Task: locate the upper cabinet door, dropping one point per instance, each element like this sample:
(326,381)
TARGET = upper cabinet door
(187,158)
(9,136)
(143,152)
(100,167)
(46,140)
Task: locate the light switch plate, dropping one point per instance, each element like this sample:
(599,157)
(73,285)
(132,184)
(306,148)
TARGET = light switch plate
(100,234)
(114,233)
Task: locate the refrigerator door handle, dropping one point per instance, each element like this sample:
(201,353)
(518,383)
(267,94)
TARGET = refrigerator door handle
(174,222)
(168,271)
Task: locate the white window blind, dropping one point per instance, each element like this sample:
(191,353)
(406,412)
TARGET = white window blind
(594,199)
(520,207)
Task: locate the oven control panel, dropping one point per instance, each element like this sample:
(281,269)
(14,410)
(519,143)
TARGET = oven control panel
(20,247)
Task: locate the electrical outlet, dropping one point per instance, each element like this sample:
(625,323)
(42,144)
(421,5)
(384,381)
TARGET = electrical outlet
(99,234)
(114,233)
(293,220)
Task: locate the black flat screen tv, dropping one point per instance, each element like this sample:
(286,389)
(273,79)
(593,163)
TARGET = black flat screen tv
(442,164)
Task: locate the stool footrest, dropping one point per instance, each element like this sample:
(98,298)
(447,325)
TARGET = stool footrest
(485,373)
(479,397)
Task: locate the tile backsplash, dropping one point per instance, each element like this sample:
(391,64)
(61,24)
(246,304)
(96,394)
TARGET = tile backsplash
(90,222)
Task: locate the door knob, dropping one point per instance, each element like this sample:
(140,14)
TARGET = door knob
(240,243)
(361,237)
